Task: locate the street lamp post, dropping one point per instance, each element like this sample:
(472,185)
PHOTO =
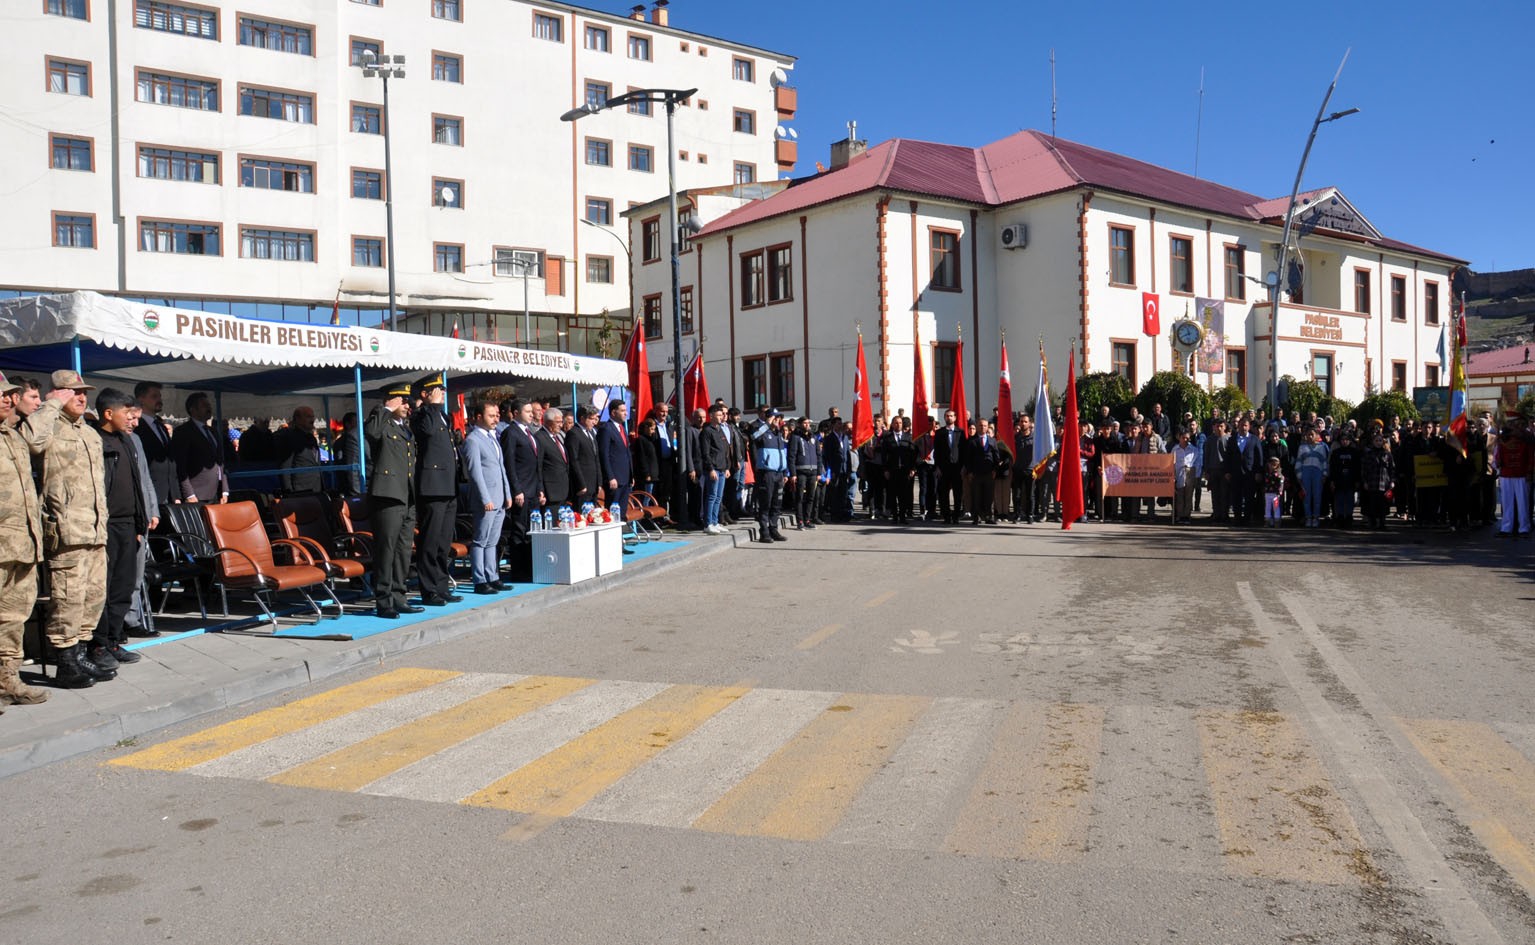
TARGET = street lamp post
(1276,278)
(670,98)
(383,67)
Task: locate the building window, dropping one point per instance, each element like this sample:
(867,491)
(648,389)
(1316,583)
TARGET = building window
(744,121)
(650,240)
(1236,273)
(685,302)
(1121,255)
(598,39)
(1236,368)
(599,269)
(1430,375)
(448,130)
(599,153)
(265,174)
(944,355)
(652,311)
(447,68)
(548,27)
(186,239)
(1431,303)
(753,279)
(447,193)
(639,47)
(641,158)
(72,154)
(744,70)
(780,273)
(1399,376)
(278,37)
(175,18)
(684,234)
(754,382)
(1181,266)
(171,164)
(283,245)
(283,106)
(943,257)
(69,78)
(745,173)
(447,257)
(1124,361)
(1321,372)
(362,47)
(1362,291)
(367,119)
(518,262)
(1399,304)
(367,185)
(598,93)
(639,106)
(368,252)
(75,9)
(781,380)
(599,210)
(178,91)
(370,3)
(74,230)
(447,10)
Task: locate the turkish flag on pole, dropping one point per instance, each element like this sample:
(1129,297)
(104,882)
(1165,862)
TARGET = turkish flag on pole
(1005,430)
(921,414)
(863,403)
(639,374)
(335,307)
(1068,482)
(455,328)
(695,387)
(461,416)
(1151,314)
(957,394)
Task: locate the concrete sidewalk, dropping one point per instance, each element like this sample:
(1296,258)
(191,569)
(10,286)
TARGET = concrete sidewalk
(183,678)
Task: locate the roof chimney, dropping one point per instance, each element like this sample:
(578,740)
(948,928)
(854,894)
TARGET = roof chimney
(637,13)
(848,148)
(658,15)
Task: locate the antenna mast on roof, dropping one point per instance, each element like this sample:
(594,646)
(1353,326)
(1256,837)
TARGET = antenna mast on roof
(1199,121)
(1052,93)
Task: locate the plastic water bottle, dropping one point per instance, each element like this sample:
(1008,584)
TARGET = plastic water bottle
(535,523)
(618,515)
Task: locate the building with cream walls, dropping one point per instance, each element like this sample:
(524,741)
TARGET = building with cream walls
(229,157)
(1036,237)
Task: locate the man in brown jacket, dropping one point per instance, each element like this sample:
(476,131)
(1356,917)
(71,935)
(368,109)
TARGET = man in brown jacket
(21,548)
(74,508)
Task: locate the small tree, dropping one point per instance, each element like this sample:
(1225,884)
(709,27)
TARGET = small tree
(1177,393)
(1383,407)
(1339,409)
(1526,405)
(1231,399)
(1106,388)
(1307,397)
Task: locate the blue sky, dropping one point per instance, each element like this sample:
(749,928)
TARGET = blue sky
(1441,154)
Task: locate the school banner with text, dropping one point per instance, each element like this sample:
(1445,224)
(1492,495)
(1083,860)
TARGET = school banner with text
(1138,475)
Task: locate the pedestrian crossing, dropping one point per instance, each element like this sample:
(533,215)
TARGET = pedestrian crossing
(1223,791)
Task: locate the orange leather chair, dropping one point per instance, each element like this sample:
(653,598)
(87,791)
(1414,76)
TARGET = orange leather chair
(243,553)
(304,519)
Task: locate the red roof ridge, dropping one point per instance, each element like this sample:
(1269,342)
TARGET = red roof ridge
(1055,152)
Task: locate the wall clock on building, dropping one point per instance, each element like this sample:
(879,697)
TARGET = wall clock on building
(1187,335)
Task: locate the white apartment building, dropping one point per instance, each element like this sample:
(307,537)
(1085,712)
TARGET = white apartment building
(230,157)
(1036,237)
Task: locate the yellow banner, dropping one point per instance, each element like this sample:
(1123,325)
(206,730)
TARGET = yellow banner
(1142,475)
(1428,472)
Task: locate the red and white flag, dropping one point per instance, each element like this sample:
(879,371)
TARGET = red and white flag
(1068,482)
(1005,429)
(695,387)
(455,328)
(863,402)
(335,307)
(1151,314)
(957,392)
(639,374)
(461,416)
(921,413)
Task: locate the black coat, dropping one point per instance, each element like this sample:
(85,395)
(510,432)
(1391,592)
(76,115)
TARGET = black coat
(436,459)
(585,465)
(391,457)
(713,450)
(521,453)
(979,459)
(949,449)
(646,457)
(156,444)
(554,469)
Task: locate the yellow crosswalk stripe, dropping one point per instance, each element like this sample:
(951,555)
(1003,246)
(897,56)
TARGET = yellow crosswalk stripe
(353,767)
(803,789)
(1495,781)
(220,740)
(558,784)
(1034,796)
(1278,813)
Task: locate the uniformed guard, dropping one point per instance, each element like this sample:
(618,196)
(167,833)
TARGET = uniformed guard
(392,493)
(21,548)
(437,492)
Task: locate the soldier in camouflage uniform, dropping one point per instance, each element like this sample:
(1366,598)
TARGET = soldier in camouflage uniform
(21,548)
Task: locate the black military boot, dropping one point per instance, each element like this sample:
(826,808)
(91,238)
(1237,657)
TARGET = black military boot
(67,672)
(90,667)
(100,655)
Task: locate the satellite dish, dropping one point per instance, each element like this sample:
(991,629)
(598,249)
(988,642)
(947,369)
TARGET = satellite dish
(793,135)
(448,196)
(780,132)
(779,77)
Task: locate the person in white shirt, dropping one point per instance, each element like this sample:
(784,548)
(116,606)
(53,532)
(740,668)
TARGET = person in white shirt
(1188,466)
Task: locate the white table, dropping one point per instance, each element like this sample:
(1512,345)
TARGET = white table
(610,547)
(564,557)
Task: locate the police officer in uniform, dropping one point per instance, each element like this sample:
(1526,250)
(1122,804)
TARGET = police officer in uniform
(21,548)
(392,492)
(437,492)
(770,462)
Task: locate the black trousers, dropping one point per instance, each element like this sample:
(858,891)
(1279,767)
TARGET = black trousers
(122,580)
(434,546)
(769,496)
(516,543)
(950,484)
(983,491)
(394,525)
(898,493)
(874,475)
(927,489)
(1023,495)
(804,485)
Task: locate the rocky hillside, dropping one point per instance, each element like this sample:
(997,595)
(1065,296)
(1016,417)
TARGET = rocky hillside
(1500,308)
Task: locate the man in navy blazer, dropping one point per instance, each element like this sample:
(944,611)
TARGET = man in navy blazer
(520,448)
(1244,464)
(613,451)
(490,495)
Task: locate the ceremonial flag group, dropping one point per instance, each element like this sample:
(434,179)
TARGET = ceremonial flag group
(1044,422)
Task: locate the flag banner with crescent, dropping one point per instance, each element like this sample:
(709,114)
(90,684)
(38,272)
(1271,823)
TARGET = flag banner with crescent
(1006,431)
(863,402)
(638,362)
(1151,314)
(1068,483)
(921,412)
(695,386)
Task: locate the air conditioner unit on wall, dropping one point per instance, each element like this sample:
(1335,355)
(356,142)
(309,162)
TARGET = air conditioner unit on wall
(1015,236)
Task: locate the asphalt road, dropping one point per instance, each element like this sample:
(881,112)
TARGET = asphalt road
(1124,734)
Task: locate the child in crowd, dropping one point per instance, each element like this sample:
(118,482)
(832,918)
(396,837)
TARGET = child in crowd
(1273,492)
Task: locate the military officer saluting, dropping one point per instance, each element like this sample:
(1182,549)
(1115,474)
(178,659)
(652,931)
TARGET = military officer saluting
(392,494)
(437,492)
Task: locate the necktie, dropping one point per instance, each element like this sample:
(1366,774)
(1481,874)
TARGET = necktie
(622,435)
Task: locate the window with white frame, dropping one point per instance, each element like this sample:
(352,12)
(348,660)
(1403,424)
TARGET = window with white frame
(282,245)
(176,18)
(515,263)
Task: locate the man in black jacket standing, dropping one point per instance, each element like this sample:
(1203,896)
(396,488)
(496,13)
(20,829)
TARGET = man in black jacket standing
(520,452)
(898,456)
(949,455)
(155,442)
(436,492)
(554,460)
(585,465)
(981,465)
(128,521)
(392,492)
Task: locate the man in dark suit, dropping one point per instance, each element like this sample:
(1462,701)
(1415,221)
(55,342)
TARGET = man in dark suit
(1244,463)
(1217,441)
(199,455)
(554,460)
(695,498)
(155,441)
(949,456)
(980,461)
(436,491)
(299,448)
(613,451)
(520,453)
(585,466)
(392,494)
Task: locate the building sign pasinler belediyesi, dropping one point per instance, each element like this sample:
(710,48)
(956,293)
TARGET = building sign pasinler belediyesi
(1321,327)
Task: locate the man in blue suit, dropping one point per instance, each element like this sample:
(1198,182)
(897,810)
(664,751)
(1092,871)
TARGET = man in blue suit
(519,449)
(490,495)
(1244,465)
(613,451)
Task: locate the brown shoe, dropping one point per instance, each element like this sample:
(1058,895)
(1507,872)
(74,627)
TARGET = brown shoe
(13,690)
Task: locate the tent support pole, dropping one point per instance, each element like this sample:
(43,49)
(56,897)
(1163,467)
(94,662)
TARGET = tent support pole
(447,412)
(362,441)
(74,355)
(572,399)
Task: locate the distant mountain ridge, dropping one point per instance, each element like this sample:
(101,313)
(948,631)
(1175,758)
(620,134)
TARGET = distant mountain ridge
(1500,308)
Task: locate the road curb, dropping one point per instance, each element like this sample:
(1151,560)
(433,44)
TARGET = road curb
(73,738)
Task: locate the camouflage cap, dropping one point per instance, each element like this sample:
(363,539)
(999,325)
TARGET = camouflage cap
(7,386)
(71,380)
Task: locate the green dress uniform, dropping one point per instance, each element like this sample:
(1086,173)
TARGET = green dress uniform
(392,494)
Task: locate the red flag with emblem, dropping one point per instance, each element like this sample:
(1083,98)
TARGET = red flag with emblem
(957,392)
(639,374)
(1005,428)
(1068,483)
(1151,314)
(695,387)
(921,413)
(863,403)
